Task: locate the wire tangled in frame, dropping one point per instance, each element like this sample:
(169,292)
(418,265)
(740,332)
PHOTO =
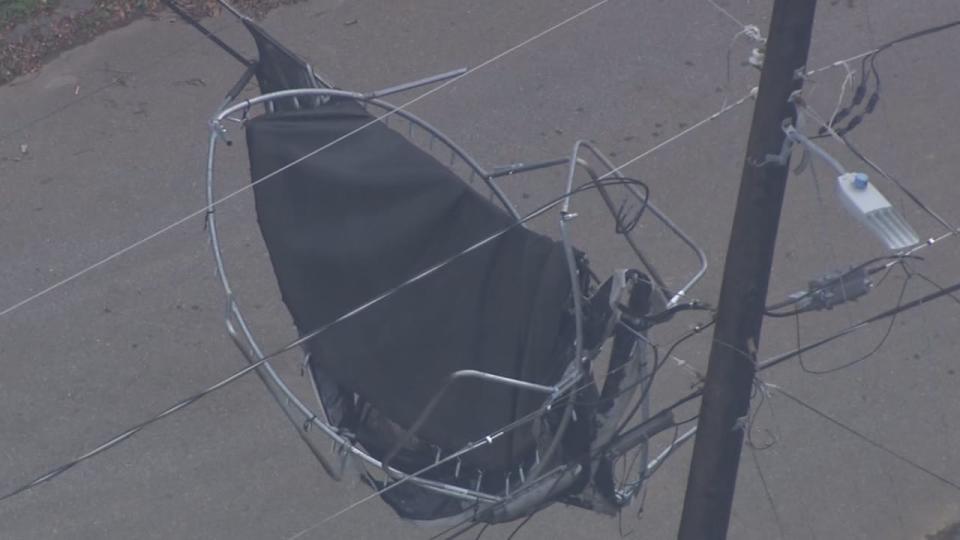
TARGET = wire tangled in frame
(871,58)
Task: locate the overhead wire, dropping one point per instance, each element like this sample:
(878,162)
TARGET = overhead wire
(184,403)
(759,389)
(876,168)
(206,208)
(874,350)
(589,454)
(533,415)
(791,354)
(766,491)
(126,434)
(770,311)
(726,13)
(530,416)
(863,437)
(917,302)
(868,69)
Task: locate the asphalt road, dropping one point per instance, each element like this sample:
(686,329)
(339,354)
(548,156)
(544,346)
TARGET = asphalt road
(106,145)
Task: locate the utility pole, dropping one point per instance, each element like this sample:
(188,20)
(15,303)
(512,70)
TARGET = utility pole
(746,274)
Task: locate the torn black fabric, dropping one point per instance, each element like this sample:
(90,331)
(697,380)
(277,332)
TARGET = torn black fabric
(371,211)
(279,69)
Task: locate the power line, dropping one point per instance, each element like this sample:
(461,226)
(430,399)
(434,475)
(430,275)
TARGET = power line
(180,405)
(943,291)
(185,403)
(57,471)
(203,210)
(858,434)
(746,276)
(870,163)
(851,363)
(206,208)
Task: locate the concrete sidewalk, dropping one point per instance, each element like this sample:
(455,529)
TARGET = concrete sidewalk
(106,145)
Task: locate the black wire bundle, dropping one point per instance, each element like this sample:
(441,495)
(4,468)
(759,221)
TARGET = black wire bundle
(857,110)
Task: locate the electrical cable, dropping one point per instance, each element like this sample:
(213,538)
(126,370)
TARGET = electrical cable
(944,480)
(769,311)
(636,407)
(187,402)
(246,187)
(57,471)
(860,92)
(877,347)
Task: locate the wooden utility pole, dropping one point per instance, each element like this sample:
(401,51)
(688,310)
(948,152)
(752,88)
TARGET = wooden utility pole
(746,274)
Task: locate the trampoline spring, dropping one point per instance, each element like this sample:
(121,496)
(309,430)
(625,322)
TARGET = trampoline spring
(344,460)
(308,422)
(304,364)
(536,456)
(522,476)
(479,479)
(456,470)
(410,128)
(436,459)
(507,488)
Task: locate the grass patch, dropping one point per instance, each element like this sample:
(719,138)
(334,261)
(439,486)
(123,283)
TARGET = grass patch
(15,11)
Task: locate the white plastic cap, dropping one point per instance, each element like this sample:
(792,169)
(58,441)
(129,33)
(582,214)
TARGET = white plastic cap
(866,202)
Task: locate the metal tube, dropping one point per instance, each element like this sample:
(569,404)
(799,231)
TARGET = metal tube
(701,256)
(415,84)
(435,400)
(798,137)
(307,413)
(389,109)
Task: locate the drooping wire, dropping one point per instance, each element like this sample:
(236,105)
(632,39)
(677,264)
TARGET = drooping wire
(771,310)
(759,391)
(464,530)
(874,350)
(766,490)
(872,442)
(805,107)
(76,275)
(913,304)
(272,174)
(939,287)
(673,447)
(180,405)
(945,291)
(177,408)
(899,183)
(869,64)
(521,525)
(649,384)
